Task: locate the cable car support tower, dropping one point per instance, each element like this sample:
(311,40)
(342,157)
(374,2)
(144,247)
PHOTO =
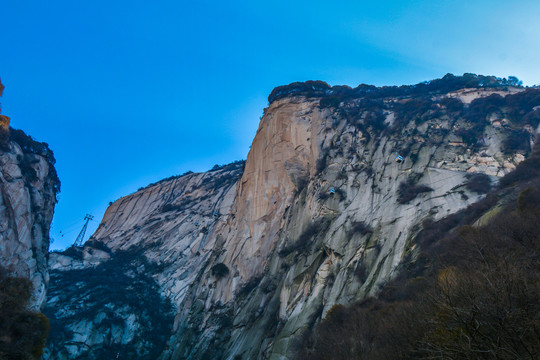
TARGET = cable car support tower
(79,241)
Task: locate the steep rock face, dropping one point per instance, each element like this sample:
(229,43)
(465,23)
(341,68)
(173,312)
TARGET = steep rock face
(118,307)
(322,214)
(28,187)
(171,221)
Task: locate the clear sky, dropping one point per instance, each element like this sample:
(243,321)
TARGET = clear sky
(129,92)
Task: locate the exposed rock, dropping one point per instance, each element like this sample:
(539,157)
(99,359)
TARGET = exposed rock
(313,220)
(28,187)
(118,301)
(469,95)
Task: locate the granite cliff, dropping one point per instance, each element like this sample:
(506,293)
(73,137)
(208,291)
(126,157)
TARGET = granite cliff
(241,261)
(28,186)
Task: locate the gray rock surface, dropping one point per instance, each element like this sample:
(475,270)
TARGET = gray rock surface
(28,187)
(252,257)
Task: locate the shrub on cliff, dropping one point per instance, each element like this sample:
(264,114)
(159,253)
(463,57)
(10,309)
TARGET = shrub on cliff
(521,106)
(171,207)
(248,286)
(471,136)
(23,332)
(452,105)
(308,88)
(517,140)
(478,183)
(74,252)
(529,169)
(414,109)
(409,190)
(473,293)
(446,84)
(360,227)
(480,108)
(99,245)
(30,146)
(220,270)
(329,102)
(27,169)
(321,162)
(375,119)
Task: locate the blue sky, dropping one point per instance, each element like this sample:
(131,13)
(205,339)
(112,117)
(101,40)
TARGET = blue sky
(129,92)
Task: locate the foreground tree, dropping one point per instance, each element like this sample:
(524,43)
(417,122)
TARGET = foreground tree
(475,297)
(23,332)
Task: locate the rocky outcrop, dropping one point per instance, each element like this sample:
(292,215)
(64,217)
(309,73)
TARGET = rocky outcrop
(324,210)
(28,187)
(173,221)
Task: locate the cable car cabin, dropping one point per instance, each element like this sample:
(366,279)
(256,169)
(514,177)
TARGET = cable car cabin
(197,224)
(216,214)
(398,159)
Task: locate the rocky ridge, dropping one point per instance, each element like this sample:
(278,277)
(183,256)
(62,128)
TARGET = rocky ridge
(250,256)
(28,186)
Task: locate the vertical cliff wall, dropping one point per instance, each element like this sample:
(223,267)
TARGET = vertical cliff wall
(28,188)
(336,185)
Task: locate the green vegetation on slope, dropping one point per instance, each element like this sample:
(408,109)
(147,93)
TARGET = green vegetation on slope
(367,107)
(469,293)
(32,147)
(102,296)
(446,84)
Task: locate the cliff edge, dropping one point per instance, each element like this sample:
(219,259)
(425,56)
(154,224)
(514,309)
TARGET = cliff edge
(28,187)
(336,185)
